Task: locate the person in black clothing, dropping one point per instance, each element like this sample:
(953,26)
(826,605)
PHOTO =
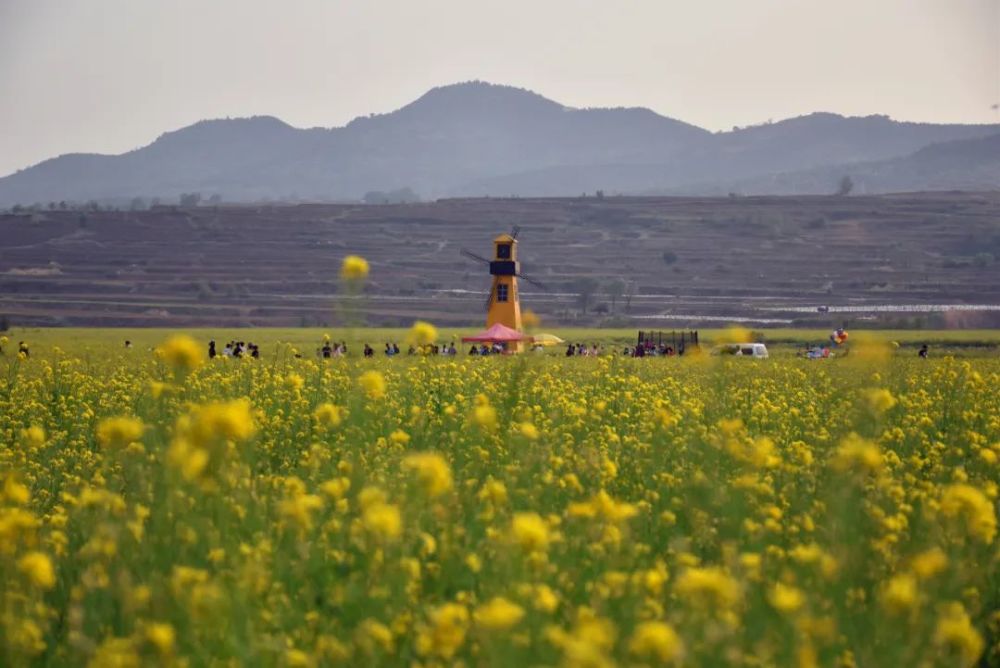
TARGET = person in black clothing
(369,351)
(254,351)
(570,350)
(327,350)
(923,352)
(22,348)
(211,349)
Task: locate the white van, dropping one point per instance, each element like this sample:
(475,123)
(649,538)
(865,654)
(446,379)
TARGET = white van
(755,350)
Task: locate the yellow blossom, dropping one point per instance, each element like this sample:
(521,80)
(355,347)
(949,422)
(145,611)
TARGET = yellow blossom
(373,384)
(530,531)
(879,400)
(899,595)
(957,637)
(162,637)
(968,504)
(328,415)
(15,492)
(858,455)
(422,334)
(929,563)
(431,470)
(498,614)
(354,267)
(656,641)
(117,432)
(444,632)
(37,567)
(181,352)
(708,586)
(33,437)
(785,598)
(383,521)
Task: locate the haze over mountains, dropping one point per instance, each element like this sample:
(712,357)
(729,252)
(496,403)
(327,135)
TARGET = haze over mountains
(475,139)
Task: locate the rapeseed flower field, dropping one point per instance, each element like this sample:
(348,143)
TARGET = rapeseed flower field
(166,510)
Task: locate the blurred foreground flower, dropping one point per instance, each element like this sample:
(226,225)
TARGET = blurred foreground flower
(422,333)
(969,505)
(656,641)
(431,470)
(354,267)
(373,384)
(498,614)
(117,432)
(37,567)
(181,352)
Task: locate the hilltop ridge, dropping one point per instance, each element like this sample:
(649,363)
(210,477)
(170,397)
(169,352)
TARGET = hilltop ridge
(483,139)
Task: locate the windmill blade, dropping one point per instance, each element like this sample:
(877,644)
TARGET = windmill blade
(515,231)
(467,253)
(489,298)
(537,284)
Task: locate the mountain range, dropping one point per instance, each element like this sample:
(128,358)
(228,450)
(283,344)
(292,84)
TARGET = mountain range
(480,139)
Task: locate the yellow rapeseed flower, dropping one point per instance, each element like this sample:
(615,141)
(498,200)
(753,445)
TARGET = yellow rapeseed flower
(37,567)
(373,384)
(530,531)
(785,598)
(354,267)
(899,595)
(485,416)
(444,632)
(957,637)
(431,470)
(656,641)
(879,400)
(328,415)
(858,455)
(929,563)
(15,492)
(294,381)
(708,586)
(383,521)
(969,505)
(422,333)
(498,614)
(181,352)
(161,636)
(33,437)
(227,420)
(117,432)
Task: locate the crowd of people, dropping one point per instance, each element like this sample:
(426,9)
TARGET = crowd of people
(495,348)
(234,349)
(583,349)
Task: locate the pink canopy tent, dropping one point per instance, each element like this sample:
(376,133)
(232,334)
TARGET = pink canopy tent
(497,334)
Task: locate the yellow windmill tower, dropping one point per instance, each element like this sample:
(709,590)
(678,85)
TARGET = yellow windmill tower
(503,305)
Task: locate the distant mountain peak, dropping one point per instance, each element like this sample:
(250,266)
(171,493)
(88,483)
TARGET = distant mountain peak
(472,95)
(482,138)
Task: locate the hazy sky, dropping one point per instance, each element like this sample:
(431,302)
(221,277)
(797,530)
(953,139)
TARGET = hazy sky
(110,75)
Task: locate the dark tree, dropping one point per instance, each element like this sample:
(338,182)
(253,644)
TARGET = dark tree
(846,186)
(585,288)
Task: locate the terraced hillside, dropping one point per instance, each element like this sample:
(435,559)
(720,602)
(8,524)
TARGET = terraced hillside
(679,261)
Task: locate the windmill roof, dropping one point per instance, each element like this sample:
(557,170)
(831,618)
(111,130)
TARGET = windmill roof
(505,237)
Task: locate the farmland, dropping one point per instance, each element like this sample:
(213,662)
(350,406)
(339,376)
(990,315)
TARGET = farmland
(160,509)
(891,260)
